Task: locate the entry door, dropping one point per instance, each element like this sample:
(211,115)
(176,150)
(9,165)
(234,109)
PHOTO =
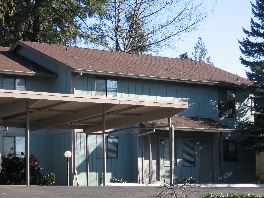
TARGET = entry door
(206,161)
(151,165)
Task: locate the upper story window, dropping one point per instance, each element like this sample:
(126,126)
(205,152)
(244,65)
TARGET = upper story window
(106,87)
(227,103)
(14,83)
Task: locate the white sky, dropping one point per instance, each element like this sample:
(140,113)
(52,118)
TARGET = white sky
(220,34)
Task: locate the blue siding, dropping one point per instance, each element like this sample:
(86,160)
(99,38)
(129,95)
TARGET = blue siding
(40,146)
(124,167)
(85,85)
(60,144)
(62,84)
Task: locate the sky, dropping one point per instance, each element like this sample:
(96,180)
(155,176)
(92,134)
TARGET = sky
(220,33)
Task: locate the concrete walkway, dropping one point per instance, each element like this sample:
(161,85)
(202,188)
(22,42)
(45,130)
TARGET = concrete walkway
(119,191)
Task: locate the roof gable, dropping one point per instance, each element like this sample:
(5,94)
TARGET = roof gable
(136,66)
(12,63)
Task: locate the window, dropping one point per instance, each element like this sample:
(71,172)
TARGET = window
(229,151)
(188,152)
(13,146)
(14,83)
(106,87)
(226,103)
(111,147)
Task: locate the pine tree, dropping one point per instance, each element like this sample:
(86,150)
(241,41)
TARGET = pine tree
(252,48)
(200,52)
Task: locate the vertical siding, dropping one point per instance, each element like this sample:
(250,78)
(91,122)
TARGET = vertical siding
(124,167)
(81,158)
(1,81)
(1,144)
(40,84)
(260,166)
(85,85)
(60,144)
(62,84)
(40,146)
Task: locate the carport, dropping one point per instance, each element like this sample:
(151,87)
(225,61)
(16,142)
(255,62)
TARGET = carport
(38,110)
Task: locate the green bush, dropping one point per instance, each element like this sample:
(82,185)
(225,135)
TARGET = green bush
(233,196)
(187,180)
(115,180)
(47,179)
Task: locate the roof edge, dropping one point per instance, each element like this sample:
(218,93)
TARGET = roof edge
(213,83)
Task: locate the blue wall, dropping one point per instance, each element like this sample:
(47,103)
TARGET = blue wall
(124,167)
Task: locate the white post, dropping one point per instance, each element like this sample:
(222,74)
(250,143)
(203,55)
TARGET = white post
(67,154)
(171,147)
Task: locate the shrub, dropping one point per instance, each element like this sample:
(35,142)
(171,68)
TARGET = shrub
(115,180)
(187,180)
(47,179)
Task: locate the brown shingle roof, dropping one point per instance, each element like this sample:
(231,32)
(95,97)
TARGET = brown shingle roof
(11,63)
(192,123)
(133,65)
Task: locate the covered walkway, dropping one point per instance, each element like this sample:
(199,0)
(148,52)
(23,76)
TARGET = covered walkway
(38,110)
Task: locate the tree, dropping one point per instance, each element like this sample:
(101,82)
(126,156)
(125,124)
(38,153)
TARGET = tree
(200,52)
(185,56)
(141,26)
(252,48)
(49,21)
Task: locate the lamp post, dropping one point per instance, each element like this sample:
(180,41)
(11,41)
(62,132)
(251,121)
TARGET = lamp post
(67,154)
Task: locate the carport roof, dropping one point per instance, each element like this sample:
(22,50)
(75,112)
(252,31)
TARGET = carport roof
(67,111)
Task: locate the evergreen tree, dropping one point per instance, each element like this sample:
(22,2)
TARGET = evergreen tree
(252,48)
(184,56)
(49,21)
(200,52)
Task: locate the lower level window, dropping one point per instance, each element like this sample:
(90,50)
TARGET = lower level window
(13,146)
(111,147)
(188,152)
(229,151)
